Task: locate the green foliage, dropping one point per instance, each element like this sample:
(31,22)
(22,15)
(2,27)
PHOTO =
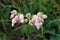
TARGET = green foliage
(50,7)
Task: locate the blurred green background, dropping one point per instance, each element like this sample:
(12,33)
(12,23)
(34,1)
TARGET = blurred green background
(51,26)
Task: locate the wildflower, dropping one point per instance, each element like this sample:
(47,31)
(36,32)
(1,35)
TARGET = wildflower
(38,24)
(14,12)
(37,21)
(18,19)
(40,14)
(28,15)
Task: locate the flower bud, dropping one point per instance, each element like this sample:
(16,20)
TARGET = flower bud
(30,22)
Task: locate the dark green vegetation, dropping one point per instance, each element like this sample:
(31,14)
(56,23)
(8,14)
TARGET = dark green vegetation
(51,26)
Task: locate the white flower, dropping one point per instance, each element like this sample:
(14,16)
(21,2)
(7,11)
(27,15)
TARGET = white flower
(14,12)
(38,24)
(37,21)
(40,14)
(28,15)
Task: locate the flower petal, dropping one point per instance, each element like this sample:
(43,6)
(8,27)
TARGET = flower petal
(11,16)
(44,16)
(13,21)
(14,12)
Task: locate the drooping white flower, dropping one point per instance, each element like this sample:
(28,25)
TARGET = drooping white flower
(40,14)
(38,24)
(37,21)
(14,12)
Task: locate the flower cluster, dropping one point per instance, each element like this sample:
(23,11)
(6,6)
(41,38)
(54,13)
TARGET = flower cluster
(35,20)
(38,20)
